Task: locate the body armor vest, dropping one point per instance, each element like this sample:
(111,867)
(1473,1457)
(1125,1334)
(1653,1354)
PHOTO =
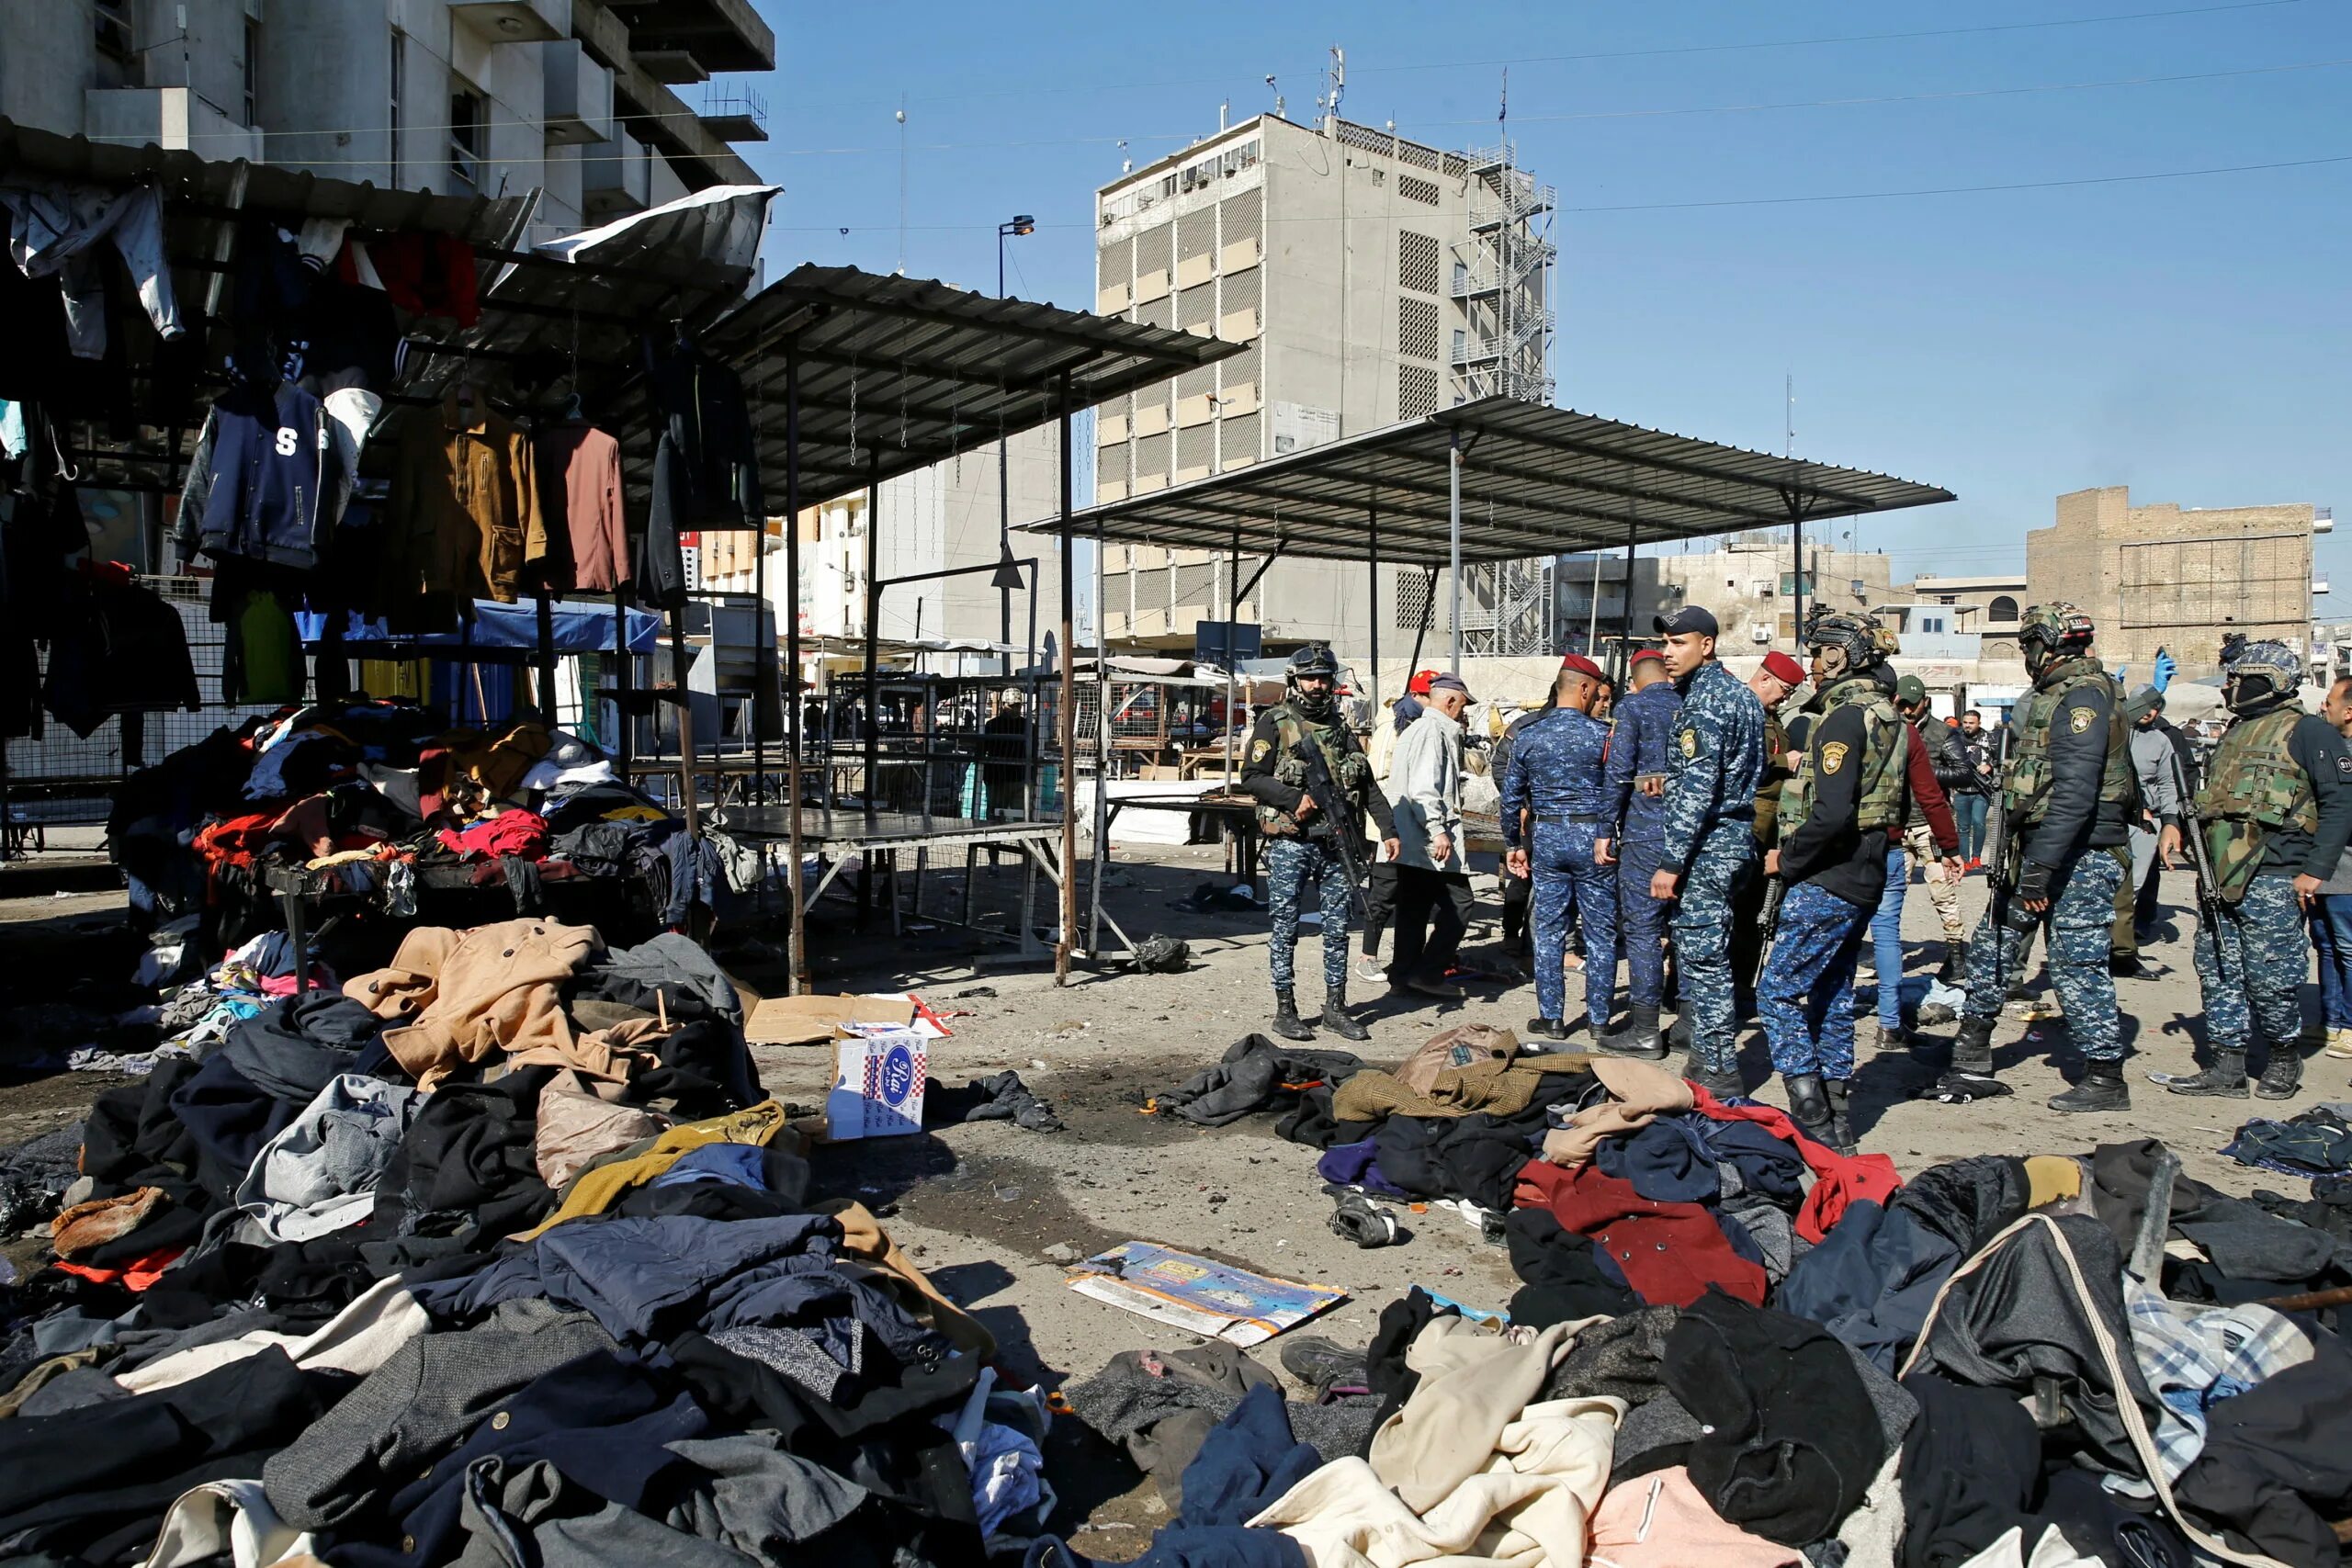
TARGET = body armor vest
(2025,793)
(2253,786)
(1885,754)
(1349,769)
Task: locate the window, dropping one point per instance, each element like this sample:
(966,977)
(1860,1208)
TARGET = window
(397,84)
(2003,609)
(252,73)
(117,64)
(1789,584)
(466,119)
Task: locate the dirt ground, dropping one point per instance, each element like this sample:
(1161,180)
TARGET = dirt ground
(987,1209)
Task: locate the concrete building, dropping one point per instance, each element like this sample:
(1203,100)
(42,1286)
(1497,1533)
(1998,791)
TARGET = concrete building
(1747,580)
(495,97)
(1989,607)
(2178,579)
(1373,279)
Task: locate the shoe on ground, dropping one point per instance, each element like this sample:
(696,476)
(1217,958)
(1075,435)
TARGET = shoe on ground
(1890,1040)
(1360,1219)
(2101,1088)
(1722,1083)
(1324,1365)
(1371,970)
(1546,1028)
(2313,1034)
(1444,990)
(1975,865)
(2223,1080)
(2339,1043)
(2282,1076)
(1337,1019)
(2126,966)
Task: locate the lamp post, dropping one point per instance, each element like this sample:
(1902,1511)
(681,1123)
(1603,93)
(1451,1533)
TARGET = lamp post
(1022,223)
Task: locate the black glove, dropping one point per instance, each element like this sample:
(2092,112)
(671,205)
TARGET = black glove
(2034,883)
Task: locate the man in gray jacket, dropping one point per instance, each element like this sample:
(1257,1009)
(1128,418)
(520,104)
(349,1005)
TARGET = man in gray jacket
(1433,900)
(2156,763)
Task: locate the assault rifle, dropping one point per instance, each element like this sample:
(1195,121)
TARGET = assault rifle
(1331,804)
(2200,860)
(1769,921)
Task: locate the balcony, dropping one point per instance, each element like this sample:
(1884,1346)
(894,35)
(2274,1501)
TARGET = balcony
(734,114)
(617,178)
(578,94)
(175,118)
(514,21)
(718,35)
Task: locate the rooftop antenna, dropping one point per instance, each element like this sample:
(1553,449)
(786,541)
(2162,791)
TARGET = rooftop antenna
(1225,114)
(1278,97)
(1126,164)
(902,185)
(1789,413)
(1339,79)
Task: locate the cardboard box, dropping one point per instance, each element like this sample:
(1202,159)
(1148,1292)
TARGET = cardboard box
(809,1021)
(878,1089)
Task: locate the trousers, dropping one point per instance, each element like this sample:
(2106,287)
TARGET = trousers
(1295,865)
(2250,987)
(1748,937)
(1887,938)
(1968,814)
(2079,921)
(1642,921)
(1433,910)
(1379,902)
(1944,893)
(2331,936)
(1805,994)
(1701,928)
(1567,882)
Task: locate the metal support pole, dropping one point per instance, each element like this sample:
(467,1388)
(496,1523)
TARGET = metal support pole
(1069,715)
(1454,540)
(1796,533)
(794,739)
(762,662)
(624,683)
(1232,620)
(873,630)
(547,656)
(685,708)
(1371,527)
(1100,824)
(1623,663)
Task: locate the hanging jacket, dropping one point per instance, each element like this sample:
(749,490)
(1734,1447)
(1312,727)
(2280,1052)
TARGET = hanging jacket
(267,478)
(464,520)
(706,463)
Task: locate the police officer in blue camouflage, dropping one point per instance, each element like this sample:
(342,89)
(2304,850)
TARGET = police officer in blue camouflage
(2067,804)
(1554,780)
(1836,816)
(1303,847)
(1641,754)
(1710,842)
(2276,811)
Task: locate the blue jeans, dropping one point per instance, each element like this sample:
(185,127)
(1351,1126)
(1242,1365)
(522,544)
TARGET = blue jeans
(1886,939)
(2331,935)
(1968,813)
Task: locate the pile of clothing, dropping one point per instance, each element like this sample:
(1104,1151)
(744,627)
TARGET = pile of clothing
(373,797)
(497,1253)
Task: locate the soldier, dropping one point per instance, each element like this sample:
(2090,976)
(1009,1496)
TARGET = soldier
(2276,811)
(1837,819)
(2067,803)
(1641,749)
(1773,682)
(1303,847)
(1710,839)
(1554,776)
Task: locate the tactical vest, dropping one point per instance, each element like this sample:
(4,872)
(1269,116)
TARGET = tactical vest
(1349,766)
(2253,787)
(2025,793)
(1885,762)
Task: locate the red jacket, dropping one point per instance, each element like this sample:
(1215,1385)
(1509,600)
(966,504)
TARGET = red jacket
(1930,796)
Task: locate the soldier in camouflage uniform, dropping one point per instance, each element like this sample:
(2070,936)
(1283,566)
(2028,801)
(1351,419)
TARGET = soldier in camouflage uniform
(1302,846)
(1710,842)
(2068,802)
(1837,820)
(2276,810)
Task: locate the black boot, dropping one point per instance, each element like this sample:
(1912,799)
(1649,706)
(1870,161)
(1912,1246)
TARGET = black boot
(1638,1038)
(1336,1019)
(2225,1079)
(1841,1130)
(1722,1083)
(1808,1105)
(2102,1089)
(2283,1073)
(1955,969)
(1286,1021)
(1546,1028)
(1972,1048)
(1678,1037)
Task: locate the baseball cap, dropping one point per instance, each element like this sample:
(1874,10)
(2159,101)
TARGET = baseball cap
(1784,669)
(1689,620)
(2144,701)
(1448,682)
(1419,686)
(1582,666)
(1654,653)
(1910,689)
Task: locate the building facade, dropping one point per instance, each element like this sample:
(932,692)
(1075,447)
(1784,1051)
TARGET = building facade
(1989,607)
(1747,580)
(2178,579)
(1372,279)
(467,96)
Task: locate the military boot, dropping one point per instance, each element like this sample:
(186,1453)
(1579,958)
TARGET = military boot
(1972,1048)
(1809,1107)
(2282,1075)
(1638,1038)
(2102,1089)
(1841,1130)
(1679,1036)
(1286,1020)
(2225,1079)
(1955,969)
(1721,1082)
(1336,1019)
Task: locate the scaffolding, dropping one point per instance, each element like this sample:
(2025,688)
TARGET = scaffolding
(1504,349)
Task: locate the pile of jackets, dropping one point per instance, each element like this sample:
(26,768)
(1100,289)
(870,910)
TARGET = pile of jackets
(499,1253)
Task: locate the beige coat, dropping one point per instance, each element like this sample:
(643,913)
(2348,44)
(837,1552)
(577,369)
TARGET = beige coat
(464,995)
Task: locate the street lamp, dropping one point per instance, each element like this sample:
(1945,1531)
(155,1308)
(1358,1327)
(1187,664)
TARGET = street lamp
(1021,224)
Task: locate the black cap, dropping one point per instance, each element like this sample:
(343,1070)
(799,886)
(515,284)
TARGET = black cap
(1689,620)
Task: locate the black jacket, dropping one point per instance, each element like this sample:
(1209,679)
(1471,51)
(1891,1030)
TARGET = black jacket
(1829,848)
(1946,755)
(2327,758)
(2077,819)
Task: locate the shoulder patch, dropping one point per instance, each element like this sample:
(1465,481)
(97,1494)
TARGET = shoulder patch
(2078,720)
(1690,742)
(1833,756)
(2344,763)
(1258,752)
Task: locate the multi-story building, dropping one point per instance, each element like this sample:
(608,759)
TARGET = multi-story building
(1988,606)
(2178,579)
(496,97)
(1372,279)
(1749,581)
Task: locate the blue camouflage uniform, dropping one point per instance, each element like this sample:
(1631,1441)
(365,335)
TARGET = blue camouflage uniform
(1554,775)
(1641,745)
(1710,841)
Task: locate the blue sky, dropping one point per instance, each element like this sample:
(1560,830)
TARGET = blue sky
(2186,336)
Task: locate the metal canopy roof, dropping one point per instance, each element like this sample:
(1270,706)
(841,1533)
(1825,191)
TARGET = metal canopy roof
(897,373)
(1535,481)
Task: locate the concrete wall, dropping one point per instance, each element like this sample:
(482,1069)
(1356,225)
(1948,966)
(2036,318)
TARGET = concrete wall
(2160,575)
(1740,583)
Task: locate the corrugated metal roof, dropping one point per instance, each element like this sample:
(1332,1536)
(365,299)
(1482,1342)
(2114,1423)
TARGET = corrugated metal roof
(897,373)
(1535,481)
